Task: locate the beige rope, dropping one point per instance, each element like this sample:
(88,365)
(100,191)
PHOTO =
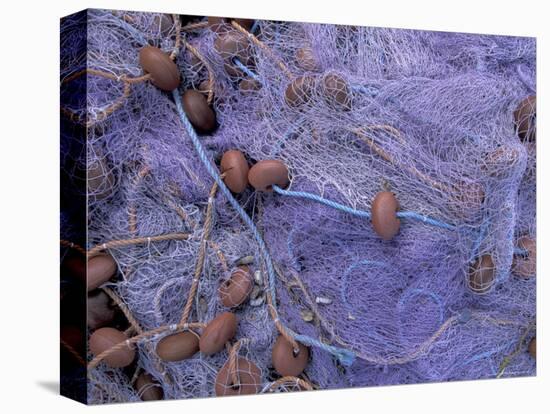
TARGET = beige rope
(135,339)
(507,359)
(74,246)
(132,215)
(194,26)
(382,153)
(202,254)
(291,380)
(232,362)
(122,306)
(417,353)
(262,46)
(73,352)
(138,240)
(135,327)
(128,81)
(199,56)
(220,255)
(177,44)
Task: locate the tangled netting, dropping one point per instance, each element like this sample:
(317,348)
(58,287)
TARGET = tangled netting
(428,116)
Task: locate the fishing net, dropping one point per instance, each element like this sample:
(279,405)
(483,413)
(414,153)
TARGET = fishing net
(428,116)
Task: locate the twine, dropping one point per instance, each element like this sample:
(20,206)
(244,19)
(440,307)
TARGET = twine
(177,43)
(465,316)
(220,255)
(306,386)
(132,215)
(411,169)
(122,306)
(235,204)
(128,81)
(181,213)
(73,352)
(135,339)
(73,116)
(263,47)
(72,245)
(202,254)
(232,362)
(508,359)
(138,240)
(199,56)
(360,213)
(135,327)
(194,26)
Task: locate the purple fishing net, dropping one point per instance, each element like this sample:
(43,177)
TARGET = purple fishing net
(429,117)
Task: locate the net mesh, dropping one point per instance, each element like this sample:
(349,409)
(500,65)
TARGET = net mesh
(351,111)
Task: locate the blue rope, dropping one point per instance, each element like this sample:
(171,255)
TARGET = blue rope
(345,356)
(319,199)
(247,71)
(361,213)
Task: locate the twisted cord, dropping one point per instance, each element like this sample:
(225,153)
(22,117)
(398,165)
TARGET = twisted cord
(262,46)
(72,245)
(346,357)
(194,26)
(202,254)
(383,154)
(73,352)
(220,255)
(208,66)
(232,361)
(132,215)
(361,213)
(135,339)
(507,359)
(134,326)
(306,386)
(180,212)
(128,81)
(245,69)
(124,309)
(138,240)
(177,43)
(465,316)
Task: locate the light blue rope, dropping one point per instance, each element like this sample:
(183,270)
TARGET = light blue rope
(247,71)
(319,199)
(345,356)
(477,243)
(361,213)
